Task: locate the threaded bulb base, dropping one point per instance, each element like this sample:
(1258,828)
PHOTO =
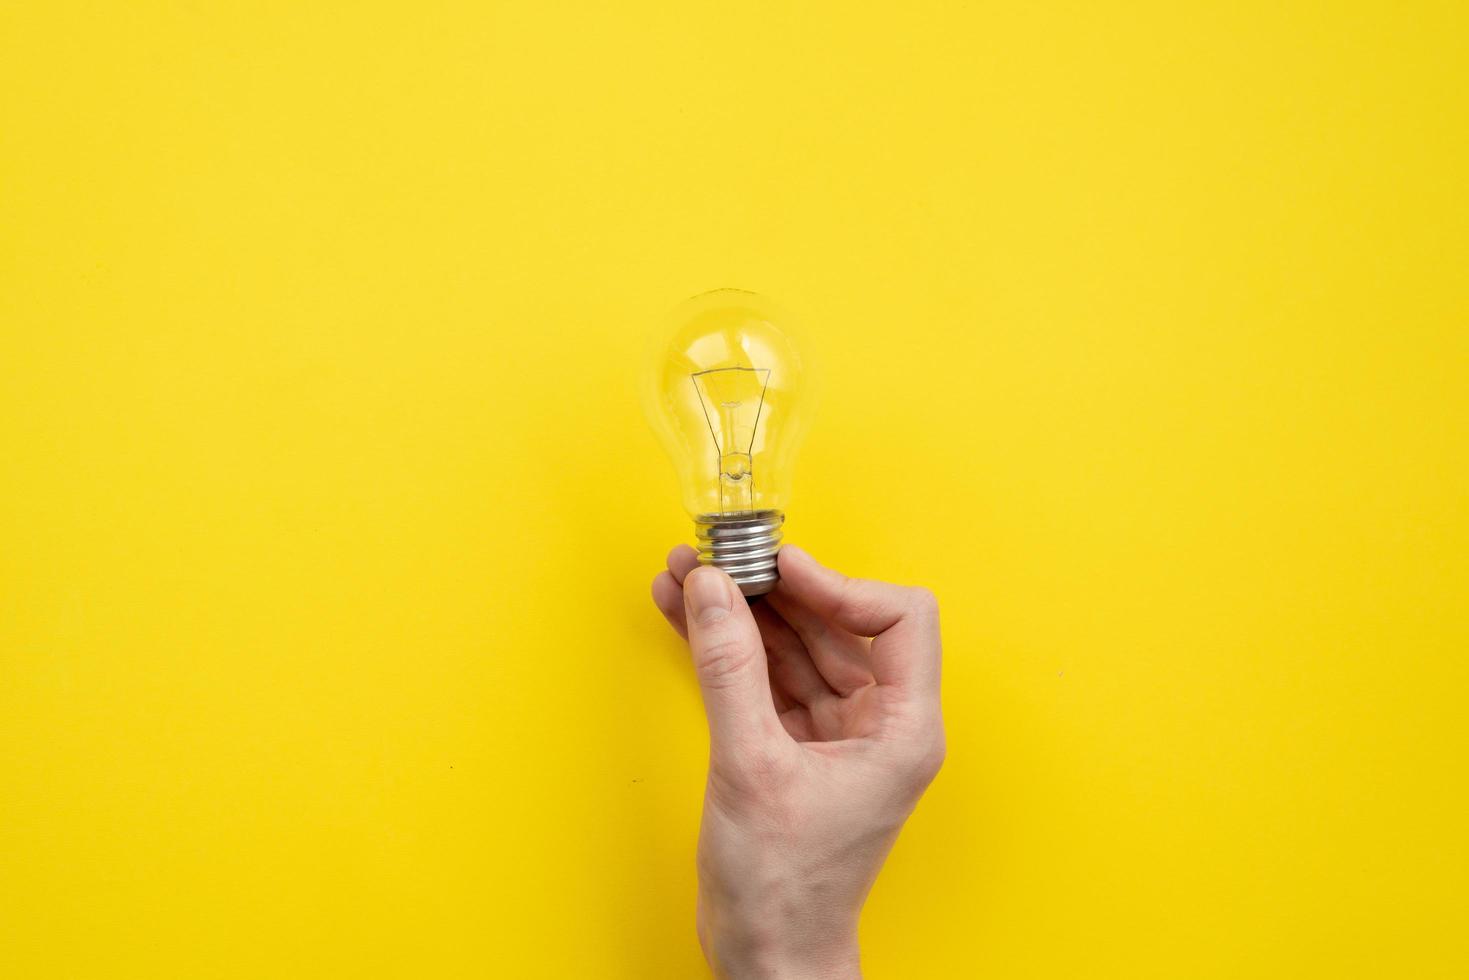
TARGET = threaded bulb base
(744,545)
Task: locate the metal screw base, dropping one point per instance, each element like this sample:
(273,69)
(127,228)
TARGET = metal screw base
(744,545)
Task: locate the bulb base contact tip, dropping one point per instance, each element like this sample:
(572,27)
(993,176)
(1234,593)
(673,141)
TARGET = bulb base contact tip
(744,545)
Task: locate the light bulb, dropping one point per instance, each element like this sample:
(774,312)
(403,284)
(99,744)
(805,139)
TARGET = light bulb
(724,395)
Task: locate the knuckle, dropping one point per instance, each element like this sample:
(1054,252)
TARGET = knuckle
(720,660)
(870,608)
(924,600)
(854,594)
(866,616)
(931,760)
(842,584)
(923,758)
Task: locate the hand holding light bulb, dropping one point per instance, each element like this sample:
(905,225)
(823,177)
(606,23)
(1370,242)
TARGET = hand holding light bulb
(822,698)
(824,730)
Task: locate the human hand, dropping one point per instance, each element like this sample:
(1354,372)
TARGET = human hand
(824,730)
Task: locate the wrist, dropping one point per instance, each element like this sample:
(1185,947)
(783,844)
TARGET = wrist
(783,950)
(736,963)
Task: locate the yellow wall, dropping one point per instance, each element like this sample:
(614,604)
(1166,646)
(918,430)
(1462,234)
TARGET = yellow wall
(327,510)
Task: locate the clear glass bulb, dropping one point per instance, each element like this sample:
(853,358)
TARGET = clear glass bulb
(724,395)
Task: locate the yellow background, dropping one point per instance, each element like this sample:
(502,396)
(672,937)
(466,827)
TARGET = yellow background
(327,511)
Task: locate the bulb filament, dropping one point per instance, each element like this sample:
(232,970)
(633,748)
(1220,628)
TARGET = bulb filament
(736,397)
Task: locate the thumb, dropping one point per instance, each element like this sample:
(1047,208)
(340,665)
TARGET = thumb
(729,657)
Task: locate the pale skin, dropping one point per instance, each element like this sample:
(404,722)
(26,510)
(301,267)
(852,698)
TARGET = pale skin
(824,730)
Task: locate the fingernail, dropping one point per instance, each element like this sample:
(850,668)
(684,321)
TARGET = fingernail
(708,595)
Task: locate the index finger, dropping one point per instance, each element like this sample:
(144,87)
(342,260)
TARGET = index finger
(903,622)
